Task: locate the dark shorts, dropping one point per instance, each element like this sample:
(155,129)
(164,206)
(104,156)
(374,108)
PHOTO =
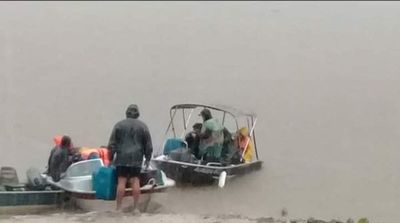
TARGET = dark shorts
(128,171)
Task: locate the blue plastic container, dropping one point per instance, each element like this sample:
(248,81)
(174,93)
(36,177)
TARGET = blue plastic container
(105,183)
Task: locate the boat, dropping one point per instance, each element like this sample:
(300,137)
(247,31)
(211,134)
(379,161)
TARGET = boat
(196,172)
(26,198)
(78,184)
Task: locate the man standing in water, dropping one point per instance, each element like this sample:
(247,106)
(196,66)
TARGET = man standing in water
(129,142)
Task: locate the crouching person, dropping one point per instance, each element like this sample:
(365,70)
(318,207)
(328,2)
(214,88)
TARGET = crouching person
(60,159)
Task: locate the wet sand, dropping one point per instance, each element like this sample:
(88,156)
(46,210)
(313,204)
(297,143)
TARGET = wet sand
(110,217)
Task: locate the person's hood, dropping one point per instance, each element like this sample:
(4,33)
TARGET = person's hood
(132,111)
(206,113)
(244,131)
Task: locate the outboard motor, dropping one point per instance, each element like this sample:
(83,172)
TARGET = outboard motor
(8,175)
(35,179)
(152,177)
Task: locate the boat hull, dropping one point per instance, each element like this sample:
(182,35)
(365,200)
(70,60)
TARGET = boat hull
(146,189)
(80,185)
(24,202)
(195,174)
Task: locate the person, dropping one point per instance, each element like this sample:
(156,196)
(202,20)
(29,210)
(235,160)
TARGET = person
(95,153)
(57,141)
(244,144)
(211,137)
(193,139)
(228,149)
(76,155)
(60,159)
(130,140)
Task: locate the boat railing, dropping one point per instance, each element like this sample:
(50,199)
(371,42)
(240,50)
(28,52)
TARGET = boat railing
(213,164)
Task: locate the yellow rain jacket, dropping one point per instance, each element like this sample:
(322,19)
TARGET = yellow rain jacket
(245,144)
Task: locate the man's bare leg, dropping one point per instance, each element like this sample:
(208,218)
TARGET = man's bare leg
(135,184)
(120,191)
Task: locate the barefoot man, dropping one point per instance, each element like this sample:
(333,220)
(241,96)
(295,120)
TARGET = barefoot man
(130,140)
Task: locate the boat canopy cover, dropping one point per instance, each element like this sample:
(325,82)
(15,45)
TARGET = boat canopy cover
(223,108)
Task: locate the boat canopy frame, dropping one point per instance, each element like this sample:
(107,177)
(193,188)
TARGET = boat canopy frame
(251,118)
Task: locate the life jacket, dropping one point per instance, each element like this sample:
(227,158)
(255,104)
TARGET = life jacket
(246,148)
(57,140)
(86,151)
(102,153)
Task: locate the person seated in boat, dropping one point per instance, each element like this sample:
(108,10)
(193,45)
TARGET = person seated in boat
(95,153)
(57,141)
(211,137)
(193,139)
(60,159)
(76,155)
(244,145)
(228,148)
(86,152)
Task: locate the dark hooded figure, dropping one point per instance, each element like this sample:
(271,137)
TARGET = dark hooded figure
(193,139)
(130,140)
(59,160)
(211,137)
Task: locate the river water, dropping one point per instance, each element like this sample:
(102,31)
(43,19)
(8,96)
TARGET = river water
(322,77)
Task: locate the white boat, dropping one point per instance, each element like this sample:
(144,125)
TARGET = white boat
(77,182)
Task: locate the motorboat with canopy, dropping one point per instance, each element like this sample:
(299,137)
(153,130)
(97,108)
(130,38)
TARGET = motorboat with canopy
(184,168)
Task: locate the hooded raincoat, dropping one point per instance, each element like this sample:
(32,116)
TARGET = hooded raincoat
(58,163)
(211,146)
(245,145)
(130,140)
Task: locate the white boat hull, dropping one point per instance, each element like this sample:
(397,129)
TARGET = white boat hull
(80,188)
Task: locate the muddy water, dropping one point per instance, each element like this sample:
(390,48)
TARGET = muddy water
(323,78)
